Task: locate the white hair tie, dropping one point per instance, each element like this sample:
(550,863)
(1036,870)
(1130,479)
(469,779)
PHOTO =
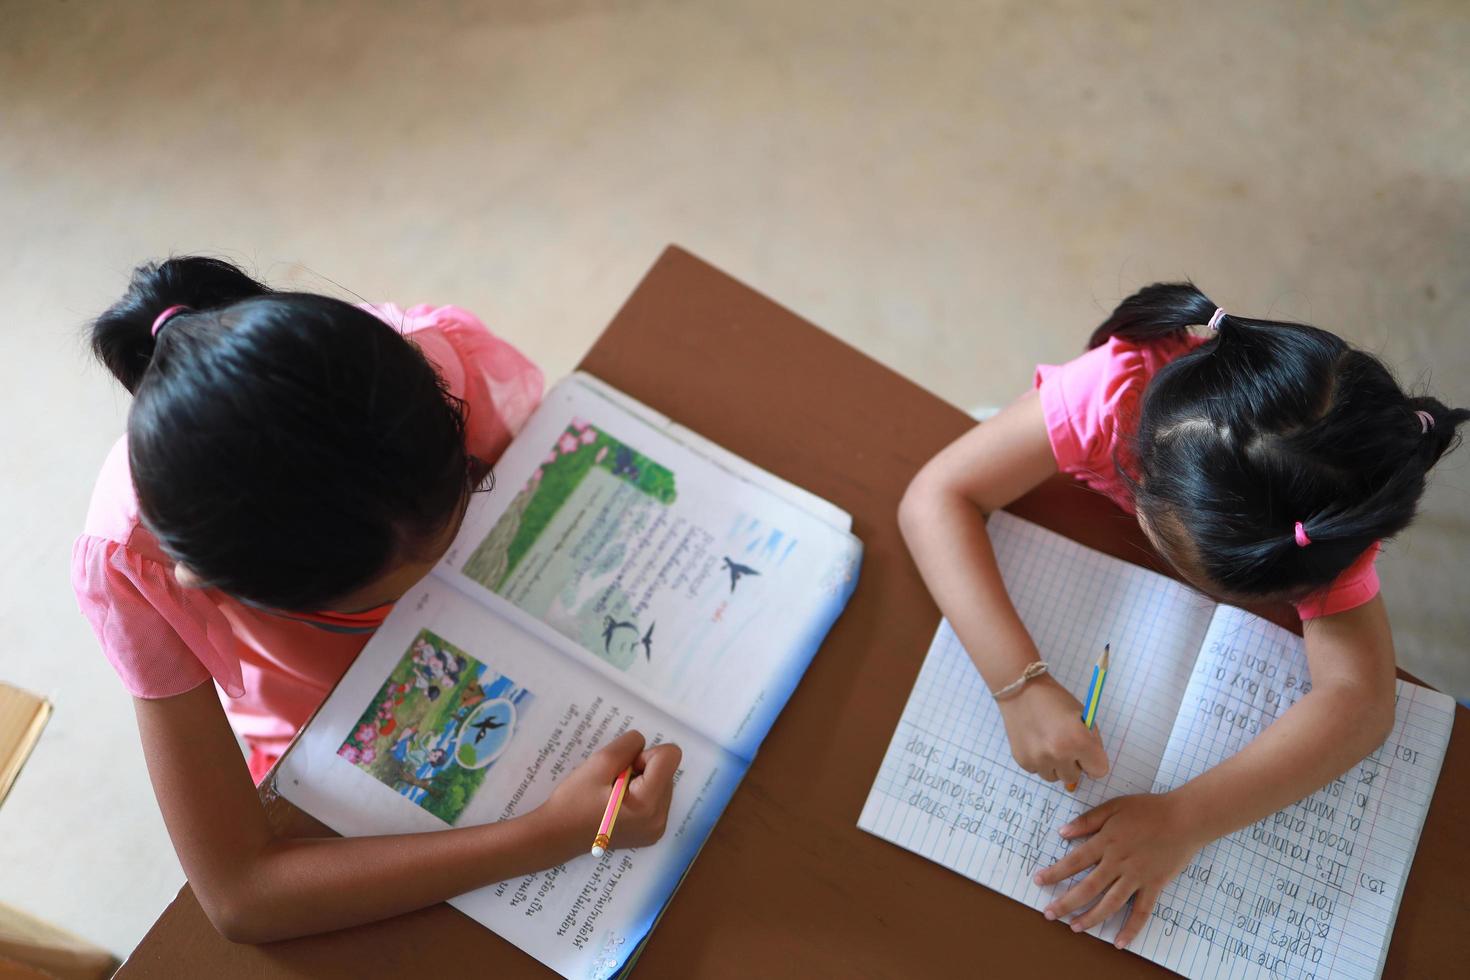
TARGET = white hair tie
(1215,320)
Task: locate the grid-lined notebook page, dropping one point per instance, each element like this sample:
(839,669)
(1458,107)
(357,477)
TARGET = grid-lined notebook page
(1311,891)
(948,788)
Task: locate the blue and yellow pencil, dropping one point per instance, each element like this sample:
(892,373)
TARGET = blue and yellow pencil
(1094,694)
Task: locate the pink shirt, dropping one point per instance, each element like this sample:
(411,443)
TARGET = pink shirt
(164,639)
(1091,407)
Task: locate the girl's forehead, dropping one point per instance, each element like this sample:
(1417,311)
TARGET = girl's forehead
(1174,545)
(1170,541)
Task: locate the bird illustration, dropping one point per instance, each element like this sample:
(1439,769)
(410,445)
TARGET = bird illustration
(611,626)
(737,571)
(647,641)
(488,725)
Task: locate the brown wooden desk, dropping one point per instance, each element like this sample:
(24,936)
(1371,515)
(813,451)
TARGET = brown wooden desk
(787,885)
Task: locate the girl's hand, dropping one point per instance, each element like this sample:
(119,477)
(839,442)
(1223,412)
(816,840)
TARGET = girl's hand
(1139,844)
(1044,725)
(575,807)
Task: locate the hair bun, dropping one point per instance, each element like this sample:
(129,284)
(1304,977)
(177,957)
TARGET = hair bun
(122,337)
(1441,434)
(1163,309)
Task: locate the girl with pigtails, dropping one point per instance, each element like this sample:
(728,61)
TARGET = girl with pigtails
(1264,460)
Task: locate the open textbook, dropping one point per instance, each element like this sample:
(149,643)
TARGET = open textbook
(624,574)
(1309,892)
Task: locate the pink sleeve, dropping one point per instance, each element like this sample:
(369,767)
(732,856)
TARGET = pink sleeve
(499,384)
(1084,402)
(161,638)
(1356,585)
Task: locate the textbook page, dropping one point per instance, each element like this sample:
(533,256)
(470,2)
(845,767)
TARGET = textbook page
(948,788)
(452,717)
(1311,891)
(742,468)
(704,592)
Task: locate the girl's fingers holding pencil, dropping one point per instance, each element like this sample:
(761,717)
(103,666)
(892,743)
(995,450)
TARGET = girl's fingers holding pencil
(1094,758)
(615,756)
(656,767)
(650,793)
(663,749)
(572,813)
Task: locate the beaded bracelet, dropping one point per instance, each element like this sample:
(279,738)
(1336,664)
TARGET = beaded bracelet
(1032,671)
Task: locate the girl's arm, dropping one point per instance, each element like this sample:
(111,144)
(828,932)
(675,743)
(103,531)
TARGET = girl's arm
(256,888)
(1140,843)
(942,517)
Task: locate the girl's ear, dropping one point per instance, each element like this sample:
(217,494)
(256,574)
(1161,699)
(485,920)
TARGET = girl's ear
(184,575)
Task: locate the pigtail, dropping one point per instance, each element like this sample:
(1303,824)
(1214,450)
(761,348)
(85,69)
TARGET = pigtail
(1337,535)
(122,337)
(1441,434)
(1161,310)
(1331,539)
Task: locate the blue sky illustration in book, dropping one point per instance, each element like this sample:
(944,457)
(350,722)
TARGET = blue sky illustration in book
(745,572)
(436,726)
(751,552)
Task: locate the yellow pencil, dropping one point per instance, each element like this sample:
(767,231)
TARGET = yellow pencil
(1094,694)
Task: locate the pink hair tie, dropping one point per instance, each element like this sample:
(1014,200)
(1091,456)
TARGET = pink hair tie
(1301,536)
(1426,421)
(1216,318)
(163,317)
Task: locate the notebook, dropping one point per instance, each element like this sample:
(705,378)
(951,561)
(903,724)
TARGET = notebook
(625,573)
(1309,892)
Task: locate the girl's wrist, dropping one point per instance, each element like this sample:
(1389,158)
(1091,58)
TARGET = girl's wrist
(543,834)
(567,838)
(1194,815)
(1001,666)
(1026,692)
(1033,671)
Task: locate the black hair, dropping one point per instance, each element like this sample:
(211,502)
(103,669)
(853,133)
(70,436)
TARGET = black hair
(285,447)
(453,666)
(1265,424)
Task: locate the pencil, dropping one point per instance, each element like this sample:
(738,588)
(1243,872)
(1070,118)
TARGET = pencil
(610,815)
(1094,694)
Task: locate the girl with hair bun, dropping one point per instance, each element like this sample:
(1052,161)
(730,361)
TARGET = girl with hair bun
(292,465)
(1265,461)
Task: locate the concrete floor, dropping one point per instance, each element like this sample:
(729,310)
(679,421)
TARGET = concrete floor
(959,189)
